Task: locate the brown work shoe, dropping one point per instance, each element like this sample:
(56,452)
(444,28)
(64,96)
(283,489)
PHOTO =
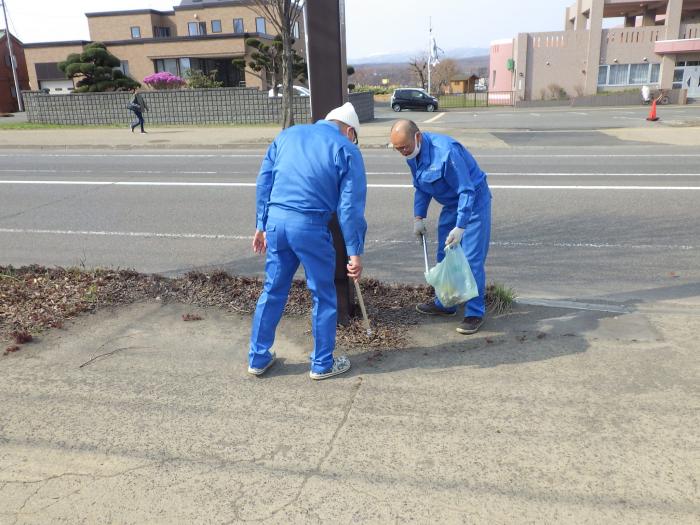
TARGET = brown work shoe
(470,325)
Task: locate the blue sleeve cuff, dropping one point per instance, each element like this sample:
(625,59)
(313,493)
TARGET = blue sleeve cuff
(353,250)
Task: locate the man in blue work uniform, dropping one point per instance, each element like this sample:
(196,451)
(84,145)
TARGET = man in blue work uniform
(309,173)
(444,170)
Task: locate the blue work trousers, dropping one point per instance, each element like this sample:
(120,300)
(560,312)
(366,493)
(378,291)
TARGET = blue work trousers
(475,244)
(294,238)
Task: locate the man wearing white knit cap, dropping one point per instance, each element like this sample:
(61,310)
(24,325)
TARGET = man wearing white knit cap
(309,172)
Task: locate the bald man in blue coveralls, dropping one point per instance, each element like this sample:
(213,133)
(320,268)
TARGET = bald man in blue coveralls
(309,173)
(444,170)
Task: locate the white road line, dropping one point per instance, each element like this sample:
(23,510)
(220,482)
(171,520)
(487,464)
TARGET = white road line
(434,119)
(378,186)
(148,172)
(147,155)
(205,236)
(369,153)
(643,188)
(131,234)
(588,156)
(373,173)
(571,174)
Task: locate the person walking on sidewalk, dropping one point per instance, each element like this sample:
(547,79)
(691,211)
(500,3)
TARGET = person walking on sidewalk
(138,106)
(309,172)
(444,170)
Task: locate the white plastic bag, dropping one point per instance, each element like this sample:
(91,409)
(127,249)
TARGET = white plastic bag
(452,279)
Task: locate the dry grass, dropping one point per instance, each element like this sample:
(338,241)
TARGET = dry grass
(34,299)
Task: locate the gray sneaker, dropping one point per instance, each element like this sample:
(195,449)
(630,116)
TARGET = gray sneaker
(470,325)
(340,366)
(261,371)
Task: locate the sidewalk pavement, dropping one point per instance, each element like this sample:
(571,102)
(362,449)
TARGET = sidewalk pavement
(548,415)
(372,135)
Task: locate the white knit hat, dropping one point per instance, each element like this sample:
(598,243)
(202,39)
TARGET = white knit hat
(347,115)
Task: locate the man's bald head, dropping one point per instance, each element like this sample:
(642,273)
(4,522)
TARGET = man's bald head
(405,136)
(404,128)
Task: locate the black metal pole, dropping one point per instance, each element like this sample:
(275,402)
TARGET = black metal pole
(325,30)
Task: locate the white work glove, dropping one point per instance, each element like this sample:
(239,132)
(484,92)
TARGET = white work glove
(419,227)
(454,237)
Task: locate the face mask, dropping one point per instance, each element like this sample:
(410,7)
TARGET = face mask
(416,150)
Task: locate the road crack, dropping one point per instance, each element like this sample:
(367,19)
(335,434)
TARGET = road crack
(329,450)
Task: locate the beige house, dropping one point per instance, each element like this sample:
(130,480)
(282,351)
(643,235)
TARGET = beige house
(198,34)
(657,43)
(463,85)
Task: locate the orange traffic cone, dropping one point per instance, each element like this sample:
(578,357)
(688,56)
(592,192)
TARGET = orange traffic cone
(652,114)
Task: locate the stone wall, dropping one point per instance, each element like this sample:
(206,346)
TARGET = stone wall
(175,107)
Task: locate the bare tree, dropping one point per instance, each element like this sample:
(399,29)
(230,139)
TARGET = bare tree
(283,15)
(419,69)
(446,71)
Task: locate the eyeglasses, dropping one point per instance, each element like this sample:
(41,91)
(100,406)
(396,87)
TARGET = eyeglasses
(404,149)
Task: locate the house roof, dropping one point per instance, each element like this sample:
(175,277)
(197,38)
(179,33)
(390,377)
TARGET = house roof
(194,4)
(473,77)
(128,12)
(2,36)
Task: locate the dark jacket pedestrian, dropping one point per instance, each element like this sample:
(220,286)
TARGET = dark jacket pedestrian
(138,106)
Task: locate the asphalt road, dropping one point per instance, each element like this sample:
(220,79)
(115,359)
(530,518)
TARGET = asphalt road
(547,119)
(605,224)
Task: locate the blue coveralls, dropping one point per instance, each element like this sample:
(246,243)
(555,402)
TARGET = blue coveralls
(309,173)
(445,171)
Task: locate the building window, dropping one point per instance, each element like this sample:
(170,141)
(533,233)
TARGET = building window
(8,61)
(197,28)
(238,25)
(13,92)
(161,32)
(136,32)
(260,26)
(639,74)
(619,73)
(124,67)
(168,64)
(655,70)
(628,74)
(185,65)
(295,30)
(216,26)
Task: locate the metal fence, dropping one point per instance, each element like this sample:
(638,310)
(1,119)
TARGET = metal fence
(477,100)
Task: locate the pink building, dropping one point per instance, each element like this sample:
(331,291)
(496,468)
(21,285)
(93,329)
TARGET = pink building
(658,46)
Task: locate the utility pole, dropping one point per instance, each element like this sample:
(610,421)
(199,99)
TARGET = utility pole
(13,60)
(325,56)
(430,55)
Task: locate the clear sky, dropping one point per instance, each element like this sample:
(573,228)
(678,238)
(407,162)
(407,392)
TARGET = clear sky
(394,25)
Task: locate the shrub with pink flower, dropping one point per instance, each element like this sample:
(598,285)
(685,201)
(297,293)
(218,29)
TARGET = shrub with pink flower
(164,80)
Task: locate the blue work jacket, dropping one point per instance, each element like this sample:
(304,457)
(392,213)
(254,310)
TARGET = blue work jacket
(314,168)
(445,171)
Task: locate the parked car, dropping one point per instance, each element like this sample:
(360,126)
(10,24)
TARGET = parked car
(413,98)
(299,91)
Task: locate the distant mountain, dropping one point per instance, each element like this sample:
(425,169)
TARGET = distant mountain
(397,58)
(400,74)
